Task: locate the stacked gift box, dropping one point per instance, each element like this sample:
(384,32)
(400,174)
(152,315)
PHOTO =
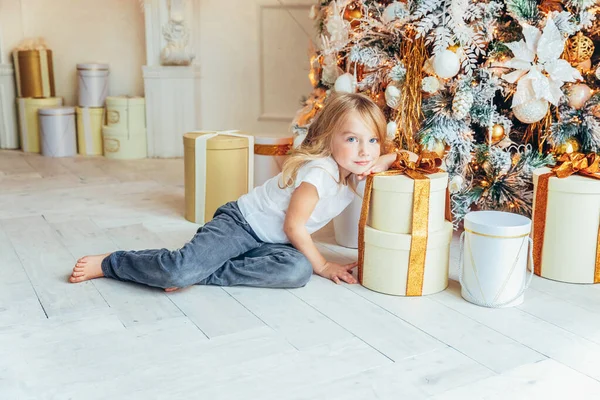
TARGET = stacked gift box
(124,134)
(404,237)
(34,77)
(92,83)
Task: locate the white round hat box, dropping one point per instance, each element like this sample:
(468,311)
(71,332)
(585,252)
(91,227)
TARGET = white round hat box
(58,135)
(270,152)
(92,82)
(495,250)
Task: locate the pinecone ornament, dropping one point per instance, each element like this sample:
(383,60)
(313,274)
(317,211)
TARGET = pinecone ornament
(462,102)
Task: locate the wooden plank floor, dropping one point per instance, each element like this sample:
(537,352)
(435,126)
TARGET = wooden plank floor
(108,339)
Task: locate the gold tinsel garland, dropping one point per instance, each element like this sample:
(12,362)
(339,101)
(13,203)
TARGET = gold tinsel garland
(410,113)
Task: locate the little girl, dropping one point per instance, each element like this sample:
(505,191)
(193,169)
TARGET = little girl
(263,239)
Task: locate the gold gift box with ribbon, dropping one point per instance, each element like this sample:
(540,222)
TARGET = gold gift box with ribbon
(34,73)
(410,257)
(219,167)
(566,219)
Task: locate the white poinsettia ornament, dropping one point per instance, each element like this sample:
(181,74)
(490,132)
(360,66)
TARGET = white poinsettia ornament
(539,70)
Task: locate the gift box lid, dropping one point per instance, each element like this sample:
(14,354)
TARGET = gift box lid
(405,184)
(57,110)
(401,241)
(222,141)
(498,224)
(35,102)
(92,110)
(572,184)
(125,101)
(31,53)
(263,138)
(92,67)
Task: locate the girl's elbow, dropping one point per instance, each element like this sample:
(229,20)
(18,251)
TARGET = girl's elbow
(290,229)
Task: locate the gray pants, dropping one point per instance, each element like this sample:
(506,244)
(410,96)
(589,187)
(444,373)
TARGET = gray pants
(224,252)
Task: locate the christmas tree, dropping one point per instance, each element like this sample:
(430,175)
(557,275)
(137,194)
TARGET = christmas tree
(497,88)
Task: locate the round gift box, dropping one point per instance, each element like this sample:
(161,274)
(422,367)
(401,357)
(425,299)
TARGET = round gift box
(270,152)
(571,232)
(126,113)
(57,131)
(92,81)
(123,144)
(495,258)
(89,130)
(29,129)
(386,261)
(34,73)
(345,225)
(392,203)
(9,134)
(226,172)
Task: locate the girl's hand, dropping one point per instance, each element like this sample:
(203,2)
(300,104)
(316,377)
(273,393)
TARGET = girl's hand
(337,272)
(384,163)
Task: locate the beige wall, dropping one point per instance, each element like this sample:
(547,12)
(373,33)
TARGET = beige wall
(77,31)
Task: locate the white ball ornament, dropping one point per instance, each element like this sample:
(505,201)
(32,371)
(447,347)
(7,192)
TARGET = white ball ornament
(579,95)
(393,12)
(532,111)
(345,83)
(392,127)
(392,96)
(446,64)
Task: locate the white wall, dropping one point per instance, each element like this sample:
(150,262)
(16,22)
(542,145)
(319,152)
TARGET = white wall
(76,31)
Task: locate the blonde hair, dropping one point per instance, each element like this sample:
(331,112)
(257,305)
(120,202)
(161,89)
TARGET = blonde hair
(317,143)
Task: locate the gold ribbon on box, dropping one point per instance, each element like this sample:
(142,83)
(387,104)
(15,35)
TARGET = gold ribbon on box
(427,163)
(567,165)
(272,149)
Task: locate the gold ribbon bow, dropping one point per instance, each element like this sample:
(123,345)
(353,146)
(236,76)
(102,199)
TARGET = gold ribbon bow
(427,163)
(567,165)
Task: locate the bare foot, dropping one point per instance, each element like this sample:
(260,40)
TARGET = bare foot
(88,267)
(171,289)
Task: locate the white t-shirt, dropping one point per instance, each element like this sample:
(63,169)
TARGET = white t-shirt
(265,206)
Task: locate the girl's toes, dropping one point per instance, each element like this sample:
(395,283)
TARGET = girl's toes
(77,273)
(75,279)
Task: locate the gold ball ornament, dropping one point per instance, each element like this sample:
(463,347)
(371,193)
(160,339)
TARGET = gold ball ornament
(353,14)
(571,145)
(497,133)
(578,49)
(439,148)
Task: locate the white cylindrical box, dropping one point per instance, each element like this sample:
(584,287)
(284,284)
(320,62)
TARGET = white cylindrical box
(58,136)
(126,113)
(345,225)
(124,145)
(9,135)
(493,272)
(92,81)
(29,127)
(571,232)
(391,206)
(89,130)
(386,261)
(270,152)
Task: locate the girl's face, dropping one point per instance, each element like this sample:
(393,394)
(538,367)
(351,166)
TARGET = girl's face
(355,147)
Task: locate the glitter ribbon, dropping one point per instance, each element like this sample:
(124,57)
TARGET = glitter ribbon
(567,165)
(272,149)
(428,163)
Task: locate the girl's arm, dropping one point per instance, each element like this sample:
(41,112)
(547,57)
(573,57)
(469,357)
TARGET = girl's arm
(384,163)
(302,204)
